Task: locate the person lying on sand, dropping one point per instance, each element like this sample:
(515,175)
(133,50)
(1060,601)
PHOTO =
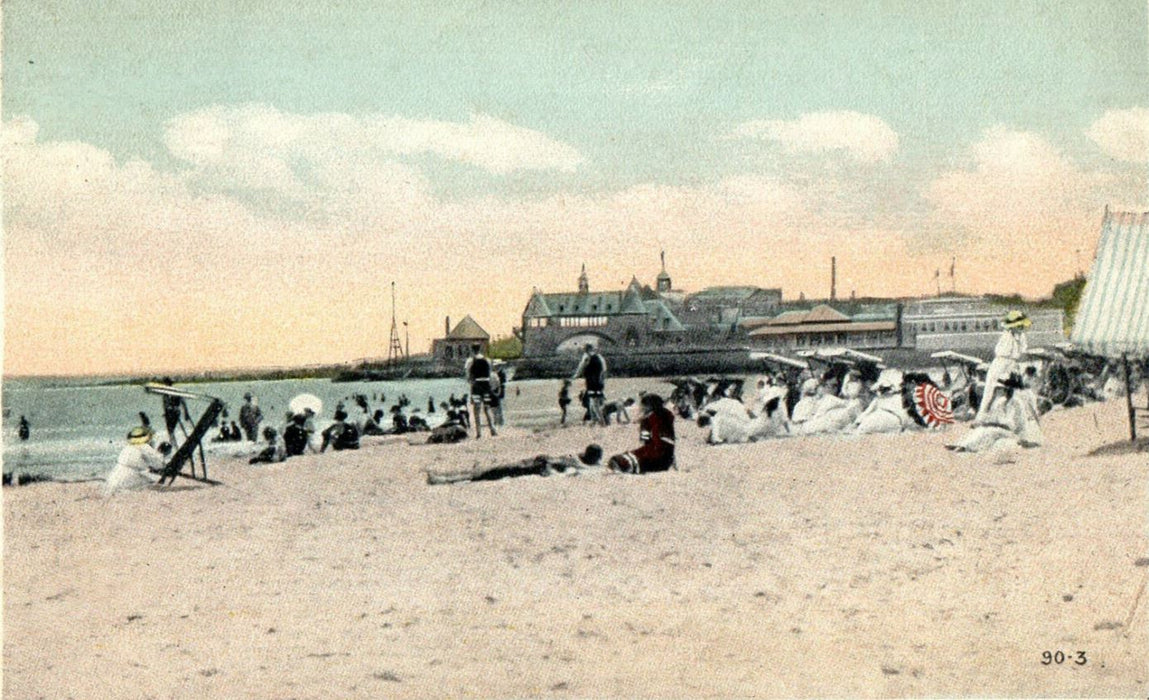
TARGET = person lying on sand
(540,465)
(452,430)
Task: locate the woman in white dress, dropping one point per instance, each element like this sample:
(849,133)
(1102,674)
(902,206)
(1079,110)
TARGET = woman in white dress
(138,464)
(1004,424)
(886,413)
(1007,354)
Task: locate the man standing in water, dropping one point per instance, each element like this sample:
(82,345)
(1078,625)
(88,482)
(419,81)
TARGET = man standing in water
(592,367)
(250,417)
(175,410)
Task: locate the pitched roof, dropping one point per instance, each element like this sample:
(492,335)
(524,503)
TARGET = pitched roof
(632,300)
(1113,317)
(575,304)
(735,293)
(788,318)
(845,327)
(537,307)
(467,329)
(825,314)
(661,312)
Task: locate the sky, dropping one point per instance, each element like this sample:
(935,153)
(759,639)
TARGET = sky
(209,185)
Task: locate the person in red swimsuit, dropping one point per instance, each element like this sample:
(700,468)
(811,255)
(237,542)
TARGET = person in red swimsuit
(656,430)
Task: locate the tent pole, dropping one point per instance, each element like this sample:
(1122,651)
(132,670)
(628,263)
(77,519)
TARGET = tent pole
(1129,400)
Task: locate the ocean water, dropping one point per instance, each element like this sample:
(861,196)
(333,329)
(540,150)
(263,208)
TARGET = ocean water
(77,431)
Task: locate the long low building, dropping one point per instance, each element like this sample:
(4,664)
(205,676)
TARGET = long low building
(825,326)
(973,323)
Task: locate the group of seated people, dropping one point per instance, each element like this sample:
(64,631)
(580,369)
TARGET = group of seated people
(853,406)
(1011,419)
(228,432)
(298,435)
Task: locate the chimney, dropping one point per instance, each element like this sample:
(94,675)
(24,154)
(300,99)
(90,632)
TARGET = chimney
(833,278)
(447,327)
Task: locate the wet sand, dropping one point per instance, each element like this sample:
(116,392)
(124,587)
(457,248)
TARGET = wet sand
(870,567)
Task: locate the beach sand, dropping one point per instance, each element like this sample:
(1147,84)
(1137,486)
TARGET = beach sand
(860,567)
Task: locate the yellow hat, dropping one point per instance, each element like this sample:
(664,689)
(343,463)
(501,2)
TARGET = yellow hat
(1016,319)
(139,435)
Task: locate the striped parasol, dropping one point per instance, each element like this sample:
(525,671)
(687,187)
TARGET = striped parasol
(933,405)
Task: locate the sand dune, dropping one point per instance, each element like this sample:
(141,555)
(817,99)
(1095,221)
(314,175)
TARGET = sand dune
(877,566)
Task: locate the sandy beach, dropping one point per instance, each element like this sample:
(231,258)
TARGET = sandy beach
(852,567)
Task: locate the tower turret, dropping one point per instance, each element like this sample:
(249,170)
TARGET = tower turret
(663,280)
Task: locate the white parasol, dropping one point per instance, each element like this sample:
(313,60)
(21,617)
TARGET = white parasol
(305,401)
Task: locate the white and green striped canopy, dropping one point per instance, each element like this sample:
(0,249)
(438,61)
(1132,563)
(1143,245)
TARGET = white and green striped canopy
(1113,318)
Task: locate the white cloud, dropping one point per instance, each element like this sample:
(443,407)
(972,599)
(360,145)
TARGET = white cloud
(1123,134)
(862,136)
(1021,207)
(248,136)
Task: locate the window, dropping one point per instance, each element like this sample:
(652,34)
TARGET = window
(448,352)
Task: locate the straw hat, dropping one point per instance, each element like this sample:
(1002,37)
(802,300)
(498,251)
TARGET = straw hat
(139,435)
(1016,319)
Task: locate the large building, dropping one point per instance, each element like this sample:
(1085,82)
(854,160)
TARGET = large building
(639,318)
(973,324)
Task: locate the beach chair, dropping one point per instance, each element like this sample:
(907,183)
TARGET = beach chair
(193,439)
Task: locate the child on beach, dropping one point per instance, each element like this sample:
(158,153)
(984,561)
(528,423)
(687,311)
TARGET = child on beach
(564,400)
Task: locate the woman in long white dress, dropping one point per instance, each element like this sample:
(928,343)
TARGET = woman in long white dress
(138,465)
(1007,355)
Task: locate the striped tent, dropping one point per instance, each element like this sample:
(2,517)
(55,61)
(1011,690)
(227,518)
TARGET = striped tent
(1113,318)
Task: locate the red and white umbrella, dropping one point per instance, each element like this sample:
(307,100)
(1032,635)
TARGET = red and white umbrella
(933,405)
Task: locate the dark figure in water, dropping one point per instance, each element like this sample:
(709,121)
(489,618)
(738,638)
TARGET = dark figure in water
(25,430)
(430,404)
(175,409)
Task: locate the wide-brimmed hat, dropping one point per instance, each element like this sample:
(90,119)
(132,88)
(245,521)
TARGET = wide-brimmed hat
(889,380)
(1016,319)
(139,435)
(592,455)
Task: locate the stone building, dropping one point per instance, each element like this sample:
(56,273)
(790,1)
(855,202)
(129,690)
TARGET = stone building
(455,346)
(639,318)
